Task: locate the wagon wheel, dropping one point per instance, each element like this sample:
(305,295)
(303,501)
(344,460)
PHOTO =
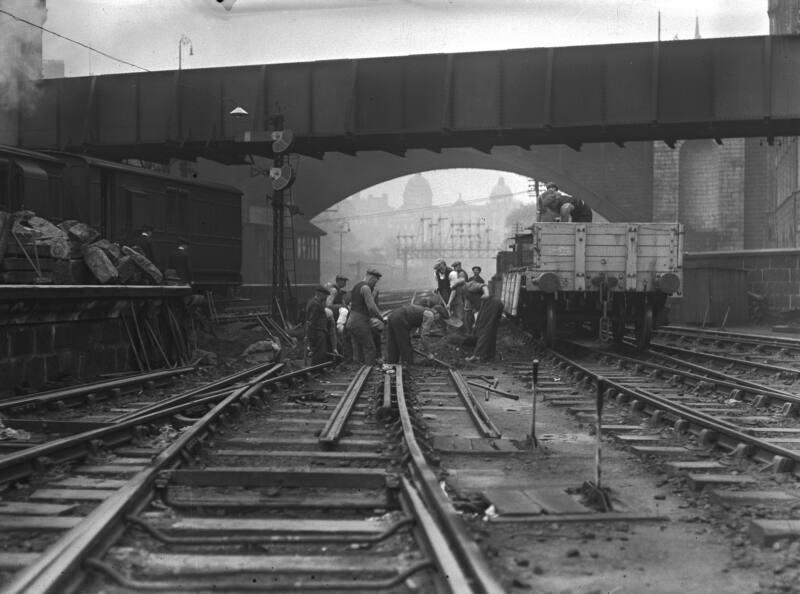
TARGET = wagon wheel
(644,328)
(550,325)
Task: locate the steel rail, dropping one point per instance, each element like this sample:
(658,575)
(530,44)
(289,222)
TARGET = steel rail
(458,553)
(657,347)
(85,390)
(332,431)
(58,564)
(683,412)
(17,465)
(479,417)
(224,382)
(699,333)
(713,375)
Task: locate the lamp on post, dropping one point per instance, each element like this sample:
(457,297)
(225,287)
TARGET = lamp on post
(184,40)
(343,228)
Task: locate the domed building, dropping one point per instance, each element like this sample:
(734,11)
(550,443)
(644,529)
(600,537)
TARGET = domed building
(501,191)
(417,193)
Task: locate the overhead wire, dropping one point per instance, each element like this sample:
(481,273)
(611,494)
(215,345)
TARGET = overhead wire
(76,42)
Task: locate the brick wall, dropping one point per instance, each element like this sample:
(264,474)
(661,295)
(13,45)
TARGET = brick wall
(704,186)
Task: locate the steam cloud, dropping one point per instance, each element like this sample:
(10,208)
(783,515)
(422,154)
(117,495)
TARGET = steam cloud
(20,56)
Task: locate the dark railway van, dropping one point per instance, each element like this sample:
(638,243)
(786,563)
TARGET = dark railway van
(29,179)
(607,274)
(120,201)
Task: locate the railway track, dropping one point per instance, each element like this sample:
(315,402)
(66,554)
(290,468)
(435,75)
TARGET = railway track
(698,424)
(755,346)
(306,495)
(325,480)
(67,416)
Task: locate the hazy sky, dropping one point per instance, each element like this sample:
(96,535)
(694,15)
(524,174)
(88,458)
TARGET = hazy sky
(147,33)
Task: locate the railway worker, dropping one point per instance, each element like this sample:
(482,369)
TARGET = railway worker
(402,322)
(181,262)
(455,304)
(476,275)
(487,321)
(336,298)
(469,313)
(363,310)
(550,203)
(143,242)
(555,205)
(317,332)
(575,210)
(343,336)
(442,272)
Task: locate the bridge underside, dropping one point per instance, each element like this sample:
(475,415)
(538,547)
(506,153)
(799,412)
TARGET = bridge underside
(616,182)
(483,109)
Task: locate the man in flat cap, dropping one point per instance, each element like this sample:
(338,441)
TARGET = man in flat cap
(476,275)
(363,310)
(455,303)
(317,331)
(333,306)
(550,203)
(442,272)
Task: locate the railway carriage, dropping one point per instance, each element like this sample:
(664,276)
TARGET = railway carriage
(607,274)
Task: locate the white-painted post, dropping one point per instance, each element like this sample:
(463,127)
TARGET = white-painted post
(534,382)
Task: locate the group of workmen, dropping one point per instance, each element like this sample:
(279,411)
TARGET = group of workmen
(350,327)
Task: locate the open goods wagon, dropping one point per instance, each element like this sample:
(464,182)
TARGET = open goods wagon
(608,274)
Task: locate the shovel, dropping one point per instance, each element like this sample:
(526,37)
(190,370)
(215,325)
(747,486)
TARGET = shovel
(453,323)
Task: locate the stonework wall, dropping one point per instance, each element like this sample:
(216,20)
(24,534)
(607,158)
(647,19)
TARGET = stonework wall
(756,211)
(31,355)
(731,197)
(79,339)
(774,273)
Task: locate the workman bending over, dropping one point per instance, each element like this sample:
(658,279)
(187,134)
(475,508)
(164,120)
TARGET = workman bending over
(402,322)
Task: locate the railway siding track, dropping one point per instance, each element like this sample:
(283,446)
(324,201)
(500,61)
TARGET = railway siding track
(766,346)
(736,463)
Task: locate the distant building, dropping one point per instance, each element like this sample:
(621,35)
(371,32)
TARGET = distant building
(417,193)
(405,240)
